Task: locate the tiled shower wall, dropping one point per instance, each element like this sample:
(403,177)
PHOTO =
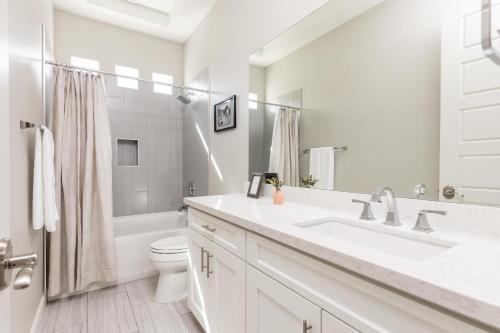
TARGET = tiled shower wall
(156,121)
(195,132)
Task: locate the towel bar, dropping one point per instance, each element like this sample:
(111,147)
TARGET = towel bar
(26,124)
(334,148)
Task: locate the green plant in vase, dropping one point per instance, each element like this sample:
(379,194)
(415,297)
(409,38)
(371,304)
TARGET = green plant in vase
(309,181)
(278,197)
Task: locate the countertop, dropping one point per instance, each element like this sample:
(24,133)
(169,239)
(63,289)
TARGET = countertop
(464,279)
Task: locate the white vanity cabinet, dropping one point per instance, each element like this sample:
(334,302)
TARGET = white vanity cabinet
(272,288)
(363,305)
(227,283)
(273,308)
(216,294)
(198,285)
(330,324)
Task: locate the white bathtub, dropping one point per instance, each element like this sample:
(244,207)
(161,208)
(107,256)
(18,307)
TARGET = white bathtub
(134,234)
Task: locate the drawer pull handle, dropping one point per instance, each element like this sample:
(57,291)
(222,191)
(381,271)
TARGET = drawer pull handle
(208,264)
(209,228)
(203,251)
(306,327)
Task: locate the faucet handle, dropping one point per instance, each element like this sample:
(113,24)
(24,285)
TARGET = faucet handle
(367,213)
(423,222)
(375,197)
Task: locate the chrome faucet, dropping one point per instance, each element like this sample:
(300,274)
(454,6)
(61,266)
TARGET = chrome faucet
(392,217)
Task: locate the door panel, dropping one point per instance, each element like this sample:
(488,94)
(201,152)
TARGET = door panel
(272,307)
(198,286)
(470,95)
(4,151)
(227,284)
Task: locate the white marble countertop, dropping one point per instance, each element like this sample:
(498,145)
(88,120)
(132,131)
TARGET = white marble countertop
(464,279)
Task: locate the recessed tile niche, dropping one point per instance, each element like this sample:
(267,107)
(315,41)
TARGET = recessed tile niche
(127,151)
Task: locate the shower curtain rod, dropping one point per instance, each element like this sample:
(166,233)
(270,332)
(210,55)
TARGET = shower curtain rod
(59,64)
(274,104)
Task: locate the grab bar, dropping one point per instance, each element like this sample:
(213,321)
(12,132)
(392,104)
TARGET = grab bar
(487,41)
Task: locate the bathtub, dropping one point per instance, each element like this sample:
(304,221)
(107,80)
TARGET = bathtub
(134,234)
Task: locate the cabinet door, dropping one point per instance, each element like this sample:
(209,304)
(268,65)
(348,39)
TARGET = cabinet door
(330,324)
(227,288)
(198,286)
(273,308)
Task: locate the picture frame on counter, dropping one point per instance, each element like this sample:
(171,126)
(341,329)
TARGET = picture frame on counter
(255,186)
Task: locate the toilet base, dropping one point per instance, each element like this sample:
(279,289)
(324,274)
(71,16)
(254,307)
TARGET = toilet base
(172,286)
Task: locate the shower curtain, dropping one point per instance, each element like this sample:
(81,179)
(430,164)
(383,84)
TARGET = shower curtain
(284,158)
(81,251)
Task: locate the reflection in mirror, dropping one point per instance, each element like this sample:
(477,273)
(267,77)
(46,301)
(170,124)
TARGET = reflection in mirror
(350,98)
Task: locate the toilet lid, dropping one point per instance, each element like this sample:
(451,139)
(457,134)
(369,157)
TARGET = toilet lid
(175,244)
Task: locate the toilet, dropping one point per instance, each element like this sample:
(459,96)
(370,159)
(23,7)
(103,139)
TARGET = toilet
(170,257)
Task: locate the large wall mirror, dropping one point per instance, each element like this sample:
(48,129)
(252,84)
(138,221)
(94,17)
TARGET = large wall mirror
(362,94)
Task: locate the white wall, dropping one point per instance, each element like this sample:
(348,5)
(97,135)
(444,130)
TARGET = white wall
(225,38)
(351,78)
(79,36)
(195,135)
(25,18)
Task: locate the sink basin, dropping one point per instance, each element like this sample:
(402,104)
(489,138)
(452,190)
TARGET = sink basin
(376,237)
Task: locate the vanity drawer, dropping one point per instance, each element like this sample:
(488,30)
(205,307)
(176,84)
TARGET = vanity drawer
(226,235)
(363,305)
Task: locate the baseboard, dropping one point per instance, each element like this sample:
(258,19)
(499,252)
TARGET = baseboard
(121,280)
(137,276)
(38,314)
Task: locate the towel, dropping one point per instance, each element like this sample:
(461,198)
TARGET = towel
(49,181)
(38,211)
(322,167)
(45,211)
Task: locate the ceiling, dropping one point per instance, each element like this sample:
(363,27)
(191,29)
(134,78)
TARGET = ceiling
(174,20)
(328,17)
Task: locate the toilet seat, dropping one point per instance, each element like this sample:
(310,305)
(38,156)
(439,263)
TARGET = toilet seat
(170,249)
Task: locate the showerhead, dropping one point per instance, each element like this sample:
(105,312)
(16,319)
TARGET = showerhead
(184,98)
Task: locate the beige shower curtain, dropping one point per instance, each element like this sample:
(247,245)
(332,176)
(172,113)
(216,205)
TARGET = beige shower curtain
(284,158)
(81,250)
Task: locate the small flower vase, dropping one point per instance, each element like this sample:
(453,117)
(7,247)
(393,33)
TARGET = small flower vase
(278,197)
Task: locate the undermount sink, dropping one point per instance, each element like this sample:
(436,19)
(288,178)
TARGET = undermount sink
(376,237)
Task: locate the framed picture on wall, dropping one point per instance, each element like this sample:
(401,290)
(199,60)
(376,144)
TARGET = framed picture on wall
(225,114)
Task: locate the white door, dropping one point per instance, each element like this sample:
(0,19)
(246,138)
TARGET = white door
(4,152)
(470,106)
(198,286)
(228,289)
(273,308)
(330,324)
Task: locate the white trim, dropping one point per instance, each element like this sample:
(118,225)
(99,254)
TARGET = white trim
(38,314)
(102,285)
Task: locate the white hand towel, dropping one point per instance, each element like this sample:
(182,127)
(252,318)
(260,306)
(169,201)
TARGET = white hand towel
(322,167)
(49,182)
(38,211)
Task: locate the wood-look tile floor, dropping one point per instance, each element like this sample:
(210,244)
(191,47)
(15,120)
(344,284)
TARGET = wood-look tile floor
(128,307)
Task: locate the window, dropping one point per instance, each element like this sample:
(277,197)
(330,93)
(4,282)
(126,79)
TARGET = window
(161,88)
(127,71)
(85,63)
(251,104)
